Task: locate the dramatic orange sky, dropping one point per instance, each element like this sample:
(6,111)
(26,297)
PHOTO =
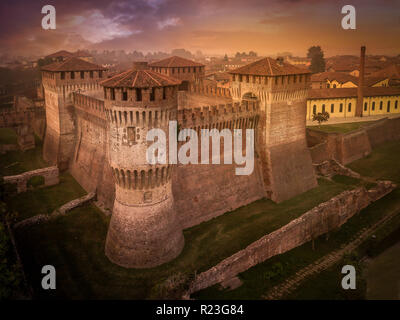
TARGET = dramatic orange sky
(212,26)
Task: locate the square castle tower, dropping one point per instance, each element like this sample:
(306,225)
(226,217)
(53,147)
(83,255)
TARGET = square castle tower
(281,90)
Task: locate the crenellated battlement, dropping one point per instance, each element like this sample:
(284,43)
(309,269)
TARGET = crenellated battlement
(209,90)
(89,104)
(231,115)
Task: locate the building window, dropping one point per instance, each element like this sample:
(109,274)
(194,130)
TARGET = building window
(91,74)
(173,70)
(328,85)
(138,94)
(112,91)
(131,133)
(395,104)
(381,105)
(373,106)
(365,106)
(152,94)
(388,106)
(323,108)
(341,107)
(314,109)
(332,108)
(100,74)
(82,74)
(334,85)
(62,75)
(164,95)
(72,75)
(125,96)
(276,80)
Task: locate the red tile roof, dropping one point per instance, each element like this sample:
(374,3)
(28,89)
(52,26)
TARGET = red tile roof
(269,67)
(392,72)
(140,79)
(338,76)
(175,61)
(72,64)
(327,93)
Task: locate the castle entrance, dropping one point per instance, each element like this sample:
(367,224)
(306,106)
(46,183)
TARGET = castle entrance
(249,96)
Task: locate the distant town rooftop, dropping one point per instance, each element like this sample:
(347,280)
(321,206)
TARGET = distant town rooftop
(175,61)
(72,64)
(269,67)
(329,93)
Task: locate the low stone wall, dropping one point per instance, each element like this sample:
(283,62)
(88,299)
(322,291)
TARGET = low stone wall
(353,146)
(50,175)
(383,130)
(330,168)
(319,220)
(58,212)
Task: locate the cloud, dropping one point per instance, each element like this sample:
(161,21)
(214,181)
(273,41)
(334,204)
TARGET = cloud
(169,22)
(95,27)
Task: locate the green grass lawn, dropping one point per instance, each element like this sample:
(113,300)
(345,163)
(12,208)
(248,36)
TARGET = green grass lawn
(8,136)
(74,244)
(340,127)
(44,200)
(382,163)
(16,162)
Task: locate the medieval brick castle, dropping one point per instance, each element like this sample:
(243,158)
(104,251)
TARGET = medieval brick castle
(96,128)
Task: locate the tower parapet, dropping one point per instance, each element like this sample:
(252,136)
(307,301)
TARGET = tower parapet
(144,230)
(186,70)
(60,80)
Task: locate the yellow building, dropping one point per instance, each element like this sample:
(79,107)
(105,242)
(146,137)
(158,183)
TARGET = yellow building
(341,103)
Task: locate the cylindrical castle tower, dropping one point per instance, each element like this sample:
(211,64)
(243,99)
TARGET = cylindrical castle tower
(144,230)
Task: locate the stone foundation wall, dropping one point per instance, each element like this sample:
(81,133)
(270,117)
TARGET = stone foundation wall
(354,145)
(319,220)
(50,175)
(89,164)
(203,192)
(383,130)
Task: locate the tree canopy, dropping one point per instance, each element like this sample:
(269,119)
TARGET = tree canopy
(316,55)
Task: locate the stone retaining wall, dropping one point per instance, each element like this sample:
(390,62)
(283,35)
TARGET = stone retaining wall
(50,175)
(319,220)
(330,168)
(58,212)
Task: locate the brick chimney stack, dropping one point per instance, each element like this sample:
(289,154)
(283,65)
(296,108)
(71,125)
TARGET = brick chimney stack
(360,89)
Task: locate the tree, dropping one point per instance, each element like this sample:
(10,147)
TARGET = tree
(316,55)
(320,117)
